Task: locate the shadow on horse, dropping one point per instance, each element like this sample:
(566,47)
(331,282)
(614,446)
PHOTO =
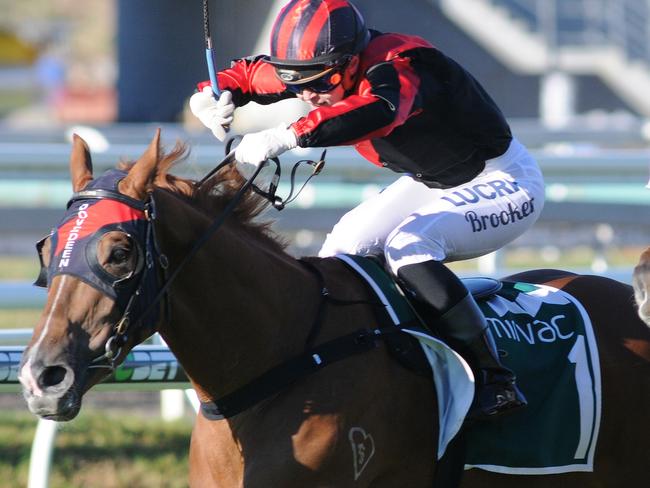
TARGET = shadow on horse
(140,250)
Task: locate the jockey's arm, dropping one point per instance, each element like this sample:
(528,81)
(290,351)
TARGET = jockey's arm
(251,80)
(383,99)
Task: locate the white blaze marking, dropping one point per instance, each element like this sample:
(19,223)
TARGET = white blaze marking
(26,377)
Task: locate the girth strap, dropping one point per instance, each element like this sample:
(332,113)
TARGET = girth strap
(282,375)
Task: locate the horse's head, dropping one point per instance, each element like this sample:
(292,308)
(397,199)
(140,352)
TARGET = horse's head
(641,283)
(98,267)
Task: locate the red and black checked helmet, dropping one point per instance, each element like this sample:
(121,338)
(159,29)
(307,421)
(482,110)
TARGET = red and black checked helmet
(311,33)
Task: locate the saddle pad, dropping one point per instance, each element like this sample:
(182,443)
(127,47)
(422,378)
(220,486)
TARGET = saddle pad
(548,341)
(452,376)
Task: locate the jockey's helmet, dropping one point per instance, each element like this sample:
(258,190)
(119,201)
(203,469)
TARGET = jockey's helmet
(310,37)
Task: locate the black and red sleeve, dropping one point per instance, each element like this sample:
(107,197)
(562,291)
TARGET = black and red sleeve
(251,80)
(383,100)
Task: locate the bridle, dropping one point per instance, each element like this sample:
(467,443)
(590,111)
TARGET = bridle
(144,279)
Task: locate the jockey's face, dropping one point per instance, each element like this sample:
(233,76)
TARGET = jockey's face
(322,99)
(337,94)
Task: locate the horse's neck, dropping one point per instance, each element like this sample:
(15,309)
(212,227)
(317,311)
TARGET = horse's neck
(238,305)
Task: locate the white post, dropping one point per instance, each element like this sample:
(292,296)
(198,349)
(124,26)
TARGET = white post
(172,404)
(557,99)
(193,399)
(41,456)
(488,264)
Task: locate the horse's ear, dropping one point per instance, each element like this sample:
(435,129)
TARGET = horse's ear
(81,166)
(142,172)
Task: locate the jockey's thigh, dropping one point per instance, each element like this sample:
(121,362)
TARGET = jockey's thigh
(363,230)
(472,219)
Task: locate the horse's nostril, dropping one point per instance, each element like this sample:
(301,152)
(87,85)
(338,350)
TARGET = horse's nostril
(52,376)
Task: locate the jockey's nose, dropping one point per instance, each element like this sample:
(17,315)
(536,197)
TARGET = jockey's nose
(308,95)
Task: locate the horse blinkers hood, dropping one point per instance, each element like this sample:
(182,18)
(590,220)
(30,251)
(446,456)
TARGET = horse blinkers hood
(92,213)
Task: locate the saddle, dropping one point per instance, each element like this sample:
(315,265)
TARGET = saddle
(480,287)
(405,348)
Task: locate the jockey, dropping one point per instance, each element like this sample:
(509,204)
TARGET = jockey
(468,187)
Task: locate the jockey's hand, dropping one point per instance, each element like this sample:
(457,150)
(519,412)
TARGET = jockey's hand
(216,115)
(257,147)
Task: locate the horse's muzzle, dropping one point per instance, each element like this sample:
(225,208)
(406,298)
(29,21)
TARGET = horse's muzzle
(49,391)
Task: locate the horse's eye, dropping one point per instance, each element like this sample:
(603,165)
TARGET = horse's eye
(119,255)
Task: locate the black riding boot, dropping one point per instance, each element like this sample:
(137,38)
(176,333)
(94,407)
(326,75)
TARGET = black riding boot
(448,308)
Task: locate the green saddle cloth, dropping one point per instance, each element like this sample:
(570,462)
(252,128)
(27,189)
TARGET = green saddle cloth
(546,337)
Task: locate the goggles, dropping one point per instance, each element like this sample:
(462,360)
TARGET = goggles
(317,81)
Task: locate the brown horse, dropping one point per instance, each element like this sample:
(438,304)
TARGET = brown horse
(141,250)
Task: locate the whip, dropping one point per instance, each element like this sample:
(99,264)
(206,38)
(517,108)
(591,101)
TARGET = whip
(209,53)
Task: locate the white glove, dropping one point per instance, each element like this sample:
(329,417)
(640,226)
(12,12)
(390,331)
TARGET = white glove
(216,115)
(259,146)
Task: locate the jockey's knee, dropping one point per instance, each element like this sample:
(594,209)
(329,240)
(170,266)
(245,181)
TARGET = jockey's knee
(342,241)
(404,248)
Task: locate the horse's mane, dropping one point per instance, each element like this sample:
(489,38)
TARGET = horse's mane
(213,196)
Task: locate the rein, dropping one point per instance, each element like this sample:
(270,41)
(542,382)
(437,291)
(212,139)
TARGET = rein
(270,195)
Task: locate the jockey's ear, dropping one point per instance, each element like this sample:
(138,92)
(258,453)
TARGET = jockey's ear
(351,73)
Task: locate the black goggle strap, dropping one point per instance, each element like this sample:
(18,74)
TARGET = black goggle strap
(307,74)
(292,77)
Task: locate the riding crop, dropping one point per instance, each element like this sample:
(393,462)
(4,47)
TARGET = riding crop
(209,52)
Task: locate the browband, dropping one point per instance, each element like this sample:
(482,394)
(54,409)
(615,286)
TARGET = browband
(100,194)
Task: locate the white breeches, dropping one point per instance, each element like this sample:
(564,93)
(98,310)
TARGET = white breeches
(411,223)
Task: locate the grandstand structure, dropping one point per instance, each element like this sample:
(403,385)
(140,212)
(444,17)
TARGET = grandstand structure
(609,39)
